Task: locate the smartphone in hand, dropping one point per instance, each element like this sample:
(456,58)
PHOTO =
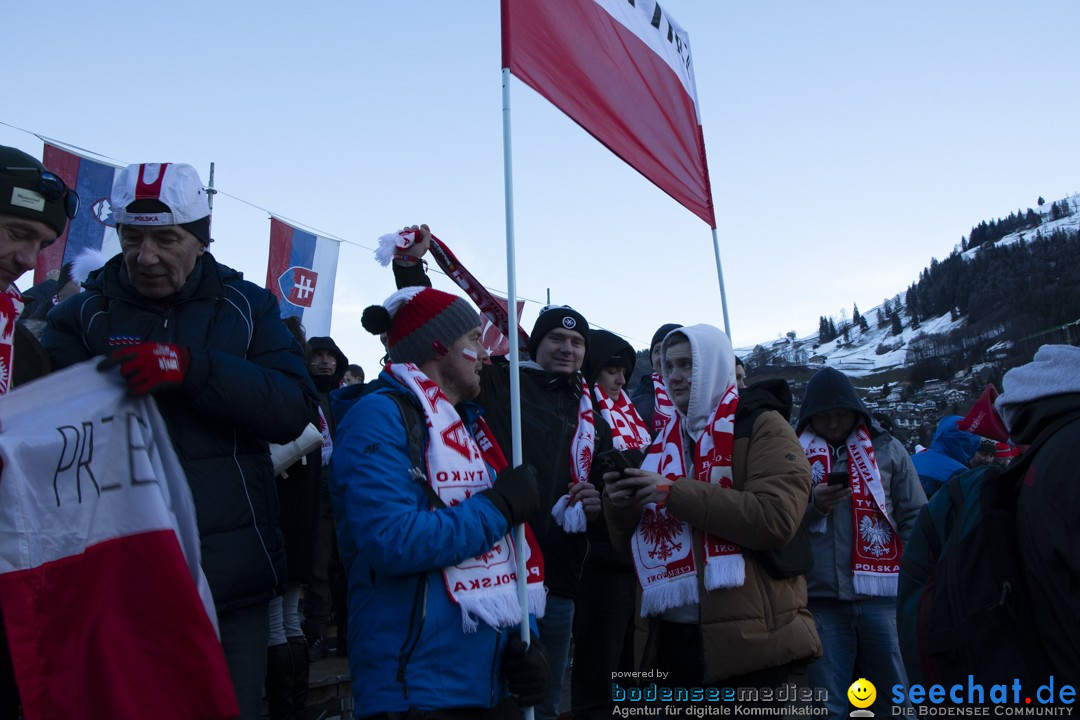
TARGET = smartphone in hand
(838,479)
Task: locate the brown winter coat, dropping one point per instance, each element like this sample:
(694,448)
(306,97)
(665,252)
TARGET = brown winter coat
(764,623)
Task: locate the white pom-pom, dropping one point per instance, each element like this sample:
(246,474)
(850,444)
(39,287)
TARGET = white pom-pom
(86,262)
(390,243)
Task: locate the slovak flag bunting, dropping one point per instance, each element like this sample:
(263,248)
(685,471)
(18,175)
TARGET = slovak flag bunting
(93,181)
(622,70)
(106,609)
(300,273)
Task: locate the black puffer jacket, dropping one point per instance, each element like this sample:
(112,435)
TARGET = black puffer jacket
(247,385)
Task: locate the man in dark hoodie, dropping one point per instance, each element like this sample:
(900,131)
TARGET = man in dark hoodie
(560,436)
(604,613)
(650,392)
(863,483)
(1043,397)
(327,364)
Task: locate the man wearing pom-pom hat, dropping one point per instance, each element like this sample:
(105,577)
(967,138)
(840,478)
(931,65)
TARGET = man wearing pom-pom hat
(425,501)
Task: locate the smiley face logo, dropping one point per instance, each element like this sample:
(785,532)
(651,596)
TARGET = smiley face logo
(862,693)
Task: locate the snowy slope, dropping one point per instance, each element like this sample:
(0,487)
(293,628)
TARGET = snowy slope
(860,357)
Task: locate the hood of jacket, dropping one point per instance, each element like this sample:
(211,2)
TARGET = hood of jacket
(954,442)
(607,349)
(830,389)
(1055,370)
(326,383)
(713,372)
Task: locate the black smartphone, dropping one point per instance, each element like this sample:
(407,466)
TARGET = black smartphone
(838,479)
(612,461)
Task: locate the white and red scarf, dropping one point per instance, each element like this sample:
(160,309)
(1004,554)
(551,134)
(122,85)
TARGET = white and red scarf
(11,306)
(876,547)
(457,468)
(663,409)
(628,431)
(662,544)
(571,518)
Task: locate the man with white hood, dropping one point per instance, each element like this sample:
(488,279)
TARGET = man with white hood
(725,482)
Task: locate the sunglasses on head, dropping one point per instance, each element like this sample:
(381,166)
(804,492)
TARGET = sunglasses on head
(52,188)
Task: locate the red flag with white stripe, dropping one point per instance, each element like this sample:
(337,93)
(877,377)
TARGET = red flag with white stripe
(107,611)
(491,337)
(622,70)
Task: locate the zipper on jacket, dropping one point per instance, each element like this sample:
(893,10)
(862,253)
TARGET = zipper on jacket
(410,643)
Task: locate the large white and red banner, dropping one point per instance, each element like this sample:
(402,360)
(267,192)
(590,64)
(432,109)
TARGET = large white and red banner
(106,609)
(300,273)
(91,227)
(622,70)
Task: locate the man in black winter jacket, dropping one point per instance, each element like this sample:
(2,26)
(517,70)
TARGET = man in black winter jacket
(228,377)
(327,589)
(1044,397)
(551,393)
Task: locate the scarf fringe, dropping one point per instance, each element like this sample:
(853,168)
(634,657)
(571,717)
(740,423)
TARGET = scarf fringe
(725,571)
(500,608)
(389,244)
(571,518)
(876,584)
(662,596)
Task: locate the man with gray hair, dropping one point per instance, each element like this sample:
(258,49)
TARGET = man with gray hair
(228,378)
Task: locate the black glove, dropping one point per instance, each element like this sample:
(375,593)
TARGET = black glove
(526,670)
(515,493)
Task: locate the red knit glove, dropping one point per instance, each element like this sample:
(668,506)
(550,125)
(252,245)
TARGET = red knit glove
(149,367)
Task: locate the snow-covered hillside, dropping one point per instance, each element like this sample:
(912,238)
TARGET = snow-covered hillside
(877,349)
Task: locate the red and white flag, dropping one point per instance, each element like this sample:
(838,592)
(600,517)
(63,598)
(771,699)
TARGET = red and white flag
(107,611)
(622,70)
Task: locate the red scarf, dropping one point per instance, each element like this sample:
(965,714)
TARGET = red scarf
(484,586)
(663,555)
(11,306)
(664,409)
(876,548)
(628,431)
(571,518)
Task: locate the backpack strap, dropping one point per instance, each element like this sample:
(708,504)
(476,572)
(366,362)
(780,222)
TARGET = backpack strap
(414,427)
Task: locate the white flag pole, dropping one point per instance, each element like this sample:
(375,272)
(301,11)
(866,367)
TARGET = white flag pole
(515,377)
(720,277)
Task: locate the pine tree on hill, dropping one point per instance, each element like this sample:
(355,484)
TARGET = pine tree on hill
(897,327)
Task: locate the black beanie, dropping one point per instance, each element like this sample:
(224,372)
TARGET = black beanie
(557,316)
(659,335)
(830,389)
(19,194)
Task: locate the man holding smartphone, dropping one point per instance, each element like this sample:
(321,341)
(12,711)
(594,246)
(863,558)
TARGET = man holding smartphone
(863,504)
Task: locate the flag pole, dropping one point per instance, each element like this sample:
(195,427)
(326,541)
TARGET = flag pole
(720,277)
(515,362)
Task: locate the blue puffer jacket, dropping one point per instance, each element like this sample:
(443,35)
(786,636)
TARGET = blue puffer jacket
(406,645)
(949,453)
(247,384)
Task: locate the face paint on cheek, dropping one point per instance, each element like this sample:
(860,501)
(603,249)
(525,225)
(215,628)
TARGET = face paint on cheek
(469,354)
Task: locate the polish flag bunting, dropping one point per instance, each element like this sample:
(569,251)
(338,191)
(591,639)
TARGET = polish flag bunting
(105,606)
(300,273)
(92,226)
(490,336)
(622,70)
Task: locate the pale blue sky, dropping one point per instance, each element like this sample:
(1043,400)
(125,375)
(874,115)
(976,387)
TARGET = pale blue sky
(848,142)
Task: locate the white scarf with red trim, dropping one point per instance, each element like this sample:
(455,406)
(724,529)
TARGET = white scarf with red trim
(628,431)
(11,306)
(457,468)
(663,409)
(662,544)
(876,546)
(571,518)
